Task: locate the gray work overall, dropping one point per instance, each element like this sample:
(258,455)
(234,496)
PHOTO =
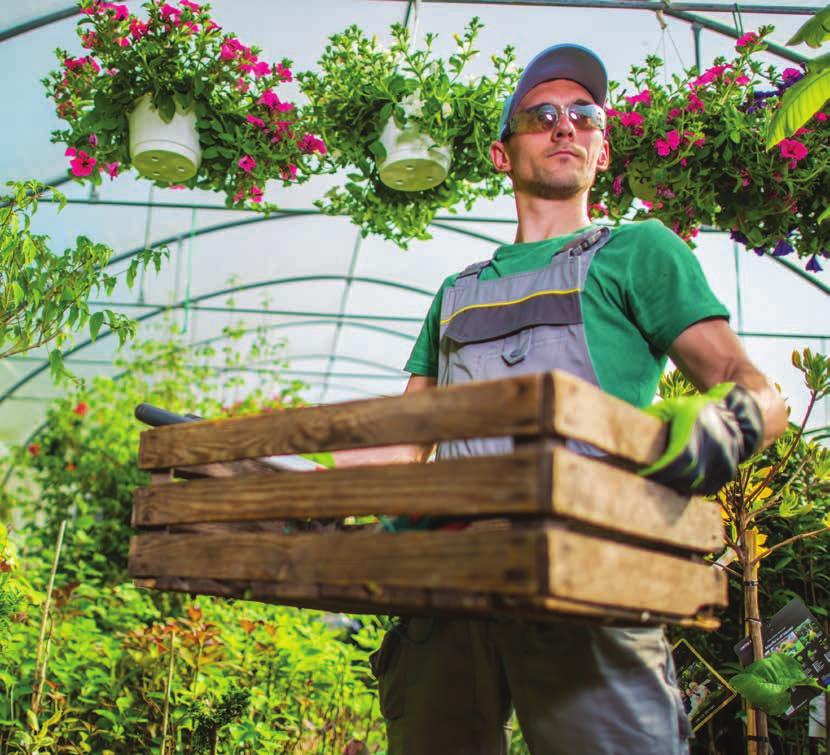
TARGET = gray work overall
(448,686)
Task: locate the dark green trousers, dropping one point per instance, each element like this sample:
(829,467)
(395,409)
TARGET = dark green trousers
(449,687)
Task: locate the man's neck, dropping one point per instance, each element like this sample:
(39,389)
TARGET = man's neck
(541,219)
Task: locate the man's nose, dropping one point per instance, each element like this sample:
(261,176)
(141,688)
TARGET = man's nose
(564,126)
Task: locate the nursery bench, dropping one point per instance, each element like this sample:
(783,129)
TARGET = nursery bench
(552,534)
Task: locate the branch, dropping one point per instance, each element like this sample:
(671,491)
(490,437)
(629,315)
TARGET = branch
(789,540)
(777,497)
(790,450)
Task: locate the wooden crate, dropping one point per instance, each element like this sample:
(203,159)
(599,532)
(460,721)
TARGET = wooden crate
(553,533)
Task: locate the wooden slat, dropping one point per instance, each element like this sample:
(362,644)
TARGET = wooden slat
(466,487)
(604,572)
(492,408)
(497,561)
(583,412)
(591,491)
(413,601)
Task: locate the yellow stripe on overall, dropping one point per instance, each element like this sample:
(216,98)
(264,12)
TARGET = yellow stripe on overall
(562,292)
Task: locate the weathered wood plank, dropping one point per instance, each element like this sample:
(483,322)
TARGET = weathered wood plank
(591,491)
(503,407)
(464,487)
(604,572)
(582,412)
(497,561)
(414,601)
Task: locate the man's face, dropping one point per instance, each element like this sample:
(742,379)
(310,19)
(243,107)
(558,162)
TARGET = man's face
(556,164)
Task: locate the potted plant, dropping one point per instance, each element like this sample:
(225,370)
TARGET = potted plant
(412,134)
(174,96)
(692,151)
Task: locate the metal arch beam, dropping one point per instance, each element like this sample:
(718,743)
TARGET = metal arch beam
(40,22)
(178,305)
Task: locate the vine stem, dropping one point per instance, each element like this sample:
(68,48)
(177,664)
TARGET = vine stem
(168,688)
(45,620)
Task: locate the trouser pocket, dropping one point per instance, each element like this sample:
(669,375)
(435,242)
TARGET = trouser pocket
(388,667)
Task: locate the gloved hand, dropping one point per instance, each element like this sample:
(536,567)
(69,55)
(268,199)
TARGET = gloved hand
(709,435)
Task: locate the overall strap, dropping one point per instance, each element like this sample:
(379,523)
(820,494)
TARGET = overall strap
(466,275)
(595,235)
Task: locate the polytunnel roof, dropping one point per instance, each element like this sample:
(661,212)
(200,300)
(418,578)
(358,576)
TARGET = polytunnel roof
(350,308)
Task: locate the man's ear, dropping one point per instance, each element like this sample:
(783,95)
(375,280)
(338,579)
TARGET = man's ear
(500,158)
(604,159)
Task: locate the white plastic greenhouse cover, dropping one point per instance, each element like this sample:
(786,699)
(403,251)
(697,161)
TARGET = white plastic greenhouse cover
(351,361)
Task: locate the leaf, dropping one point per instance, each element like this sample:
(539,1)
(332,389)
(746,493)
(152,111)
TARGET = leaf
(824,215)
(95,323)
(377,149)
(166,108)
(814,31)
(799,103)
(766,683)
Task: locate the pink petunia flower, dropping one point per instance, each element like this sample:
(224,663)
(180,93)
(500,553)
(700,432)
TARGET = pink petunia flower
(70,152)
(750,38)
(89,39)
(178,187)
(119,11)
(668,145)
(83,164)
(695,104)
(211,26)
(191,27)
(226,52)
(283,72)
(122,41)
(138,29)
(289,173)
(261,69)
(190,6)
(255,121)
(81,408)
(793,150)
(616,186)
(112,169)
(791,75)
(247,163)
(710,75)
(93,140)
(644,97)
(242,85)
(239,196)
(673,113)
(741,80)
(256,195)
(269,99)
(310,143)
(631,120)
(170,14)
(821,116)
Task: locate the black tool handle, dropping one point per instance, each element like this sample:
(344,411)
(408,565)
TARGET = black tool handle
(155,416)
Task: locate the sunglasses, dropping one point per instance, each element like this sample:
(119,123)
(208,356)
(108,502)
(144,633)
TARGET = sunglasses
(546,116)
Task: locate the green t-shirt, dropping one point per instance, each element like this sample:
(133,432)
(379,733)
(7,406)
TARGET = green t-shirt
(643,289)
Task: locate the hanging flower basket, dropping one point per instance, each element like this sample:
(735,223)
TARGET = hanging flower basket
(413,162)
(215,120)
(692,152)
(163,151)
(410,131)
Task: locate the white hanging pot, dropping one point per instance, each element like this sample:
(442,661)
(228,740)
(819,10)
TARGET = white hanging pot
(413,161)
(163,151)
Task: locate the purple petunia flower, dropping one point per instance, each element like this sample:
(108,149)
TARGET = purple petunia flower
(736,235)
(813,265)
(782,249)
(760,251)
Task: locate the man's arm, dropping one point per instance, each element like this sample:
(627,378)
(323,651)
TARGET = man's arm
(405,454)
(709,352)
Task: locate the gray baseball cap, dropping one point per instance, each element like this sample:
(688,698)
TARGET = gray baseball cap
(566,61)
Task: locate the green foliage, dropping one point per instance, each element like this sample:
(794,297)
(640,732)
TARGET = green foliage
(690,151)
(43,295)
(809,95)
(768,682)
(361,85)
(186,63)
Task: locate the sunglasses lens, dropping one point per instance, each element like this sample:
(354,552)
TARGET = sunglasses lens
(545,117)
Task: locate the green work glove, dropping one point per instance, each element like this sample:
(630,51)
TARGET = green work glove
(709,435)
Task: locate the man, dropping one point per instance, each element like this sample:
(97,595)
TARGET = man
(608,306)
